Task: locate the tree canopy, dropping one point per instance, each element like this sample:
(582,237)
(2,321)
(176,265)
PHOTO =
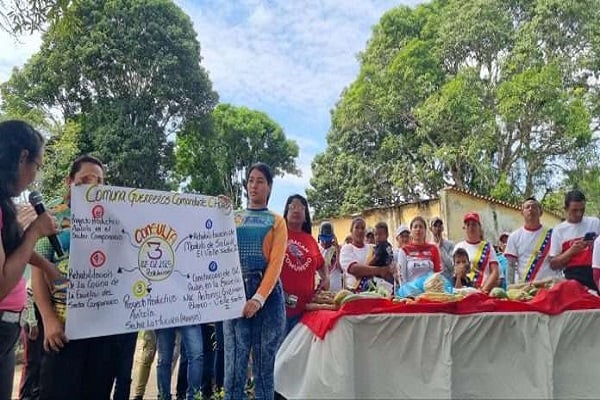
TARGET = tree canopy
(127,75)
(500,97)
(214,154)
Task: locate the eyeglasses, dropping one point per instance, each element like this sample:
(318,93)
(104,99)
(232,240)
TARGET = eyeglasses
(298,207)
(38,166)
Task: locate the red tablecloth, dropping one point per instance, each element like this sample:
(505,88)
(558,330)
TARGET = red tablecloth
(565,295)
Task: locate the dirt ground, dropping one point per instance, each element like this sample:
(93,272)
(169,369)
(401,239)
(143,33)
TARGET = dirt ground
(151,389)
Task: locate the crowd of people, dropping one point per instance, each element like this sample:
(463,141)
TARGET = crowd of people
(531,253)
(211,356)
(283,266)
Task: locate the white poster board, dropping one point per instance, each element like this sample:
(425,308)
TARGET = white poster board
(145,259)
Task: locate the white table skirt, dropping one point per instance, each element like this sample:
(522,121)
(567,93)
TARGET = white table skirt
(490,355)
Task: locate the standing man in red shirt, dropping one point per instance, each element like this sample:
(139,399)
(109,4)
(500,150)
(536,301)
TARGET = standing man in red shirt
(571,243)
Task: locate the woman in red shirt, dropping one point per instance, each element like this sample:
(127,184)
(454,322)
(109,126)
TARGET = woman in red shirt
(418,257)
(302,259)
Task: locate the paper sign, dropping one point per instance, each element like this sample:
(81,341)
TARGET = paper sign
(144,259)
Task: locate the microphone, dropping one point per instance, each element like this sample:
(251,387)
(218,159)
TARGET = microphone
(36,200)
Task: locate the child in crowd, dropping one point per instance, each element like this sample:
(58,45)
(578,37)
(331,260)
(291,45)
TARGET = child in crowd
(330,252)
(383,254)
(370,236)
(462,266)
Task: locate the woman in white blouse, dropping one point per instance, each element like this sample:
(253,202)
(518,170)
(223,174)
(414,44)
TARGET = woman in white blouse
(353,259)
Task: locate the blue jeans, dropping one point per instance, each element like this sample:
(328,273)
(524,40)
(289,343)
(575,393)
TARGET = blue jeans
(262,335)
(9,334)
(191,337)
(181,387)
(209,359)
(219,355)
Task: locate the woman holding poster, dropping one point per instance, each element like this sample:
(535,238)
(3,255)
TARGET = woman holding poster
(21,157)
(262,240)
(70,369)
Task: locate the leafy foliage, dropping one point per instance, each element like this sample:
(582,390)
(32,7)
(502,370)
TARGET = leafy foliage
(128,73)
(213,155)
(491,95)
(20,16)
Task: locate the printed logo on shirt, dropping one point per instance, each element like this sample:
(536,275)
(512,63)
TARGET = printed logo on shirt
(418,265)
(296,256)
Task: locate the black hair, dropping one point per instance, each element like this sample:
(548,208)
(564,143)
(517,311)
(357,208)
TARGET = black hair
(536,201)
(355,220)
(460,252)
(418,218)
(382,225)
(15,136)
(76,166)
(307,225)
(574,195)
(265,170)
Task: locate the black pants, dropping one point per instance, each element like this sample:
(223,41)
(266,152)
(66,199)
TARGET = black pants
(9,335)
(583,275)
(30,380)
(124,348)
(83,369)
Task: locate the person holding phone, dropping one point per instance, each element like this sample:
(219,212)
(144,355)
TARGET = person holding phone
(572,240)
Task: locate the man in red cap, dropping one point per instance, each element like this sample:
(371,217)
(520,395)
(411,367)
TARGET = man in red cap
(484,271)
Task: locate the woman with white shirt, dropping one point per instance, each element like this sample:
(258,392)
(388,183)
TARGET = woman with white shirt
(354,257)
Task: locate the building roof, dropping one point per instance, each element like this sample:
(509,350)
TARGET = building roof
(491,199)
(465,192)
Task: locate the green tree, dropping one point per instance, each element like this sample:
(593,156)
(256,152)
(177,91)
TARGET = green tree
(490,95)
(214,154)
(61,149)
(19,16)
(128,73)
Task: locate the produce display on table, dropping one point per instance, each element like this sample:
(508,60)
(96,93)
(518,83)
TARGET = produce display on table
(523,291)
(322,300)
(435,291)
(326,300)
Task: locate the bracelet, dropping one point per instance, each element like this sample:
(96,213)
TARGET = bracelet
(257,302)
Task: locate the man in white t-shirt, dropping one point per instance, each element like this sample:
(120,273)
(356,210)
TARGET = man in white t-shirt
(527,247)
(484,273)
(571,242)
